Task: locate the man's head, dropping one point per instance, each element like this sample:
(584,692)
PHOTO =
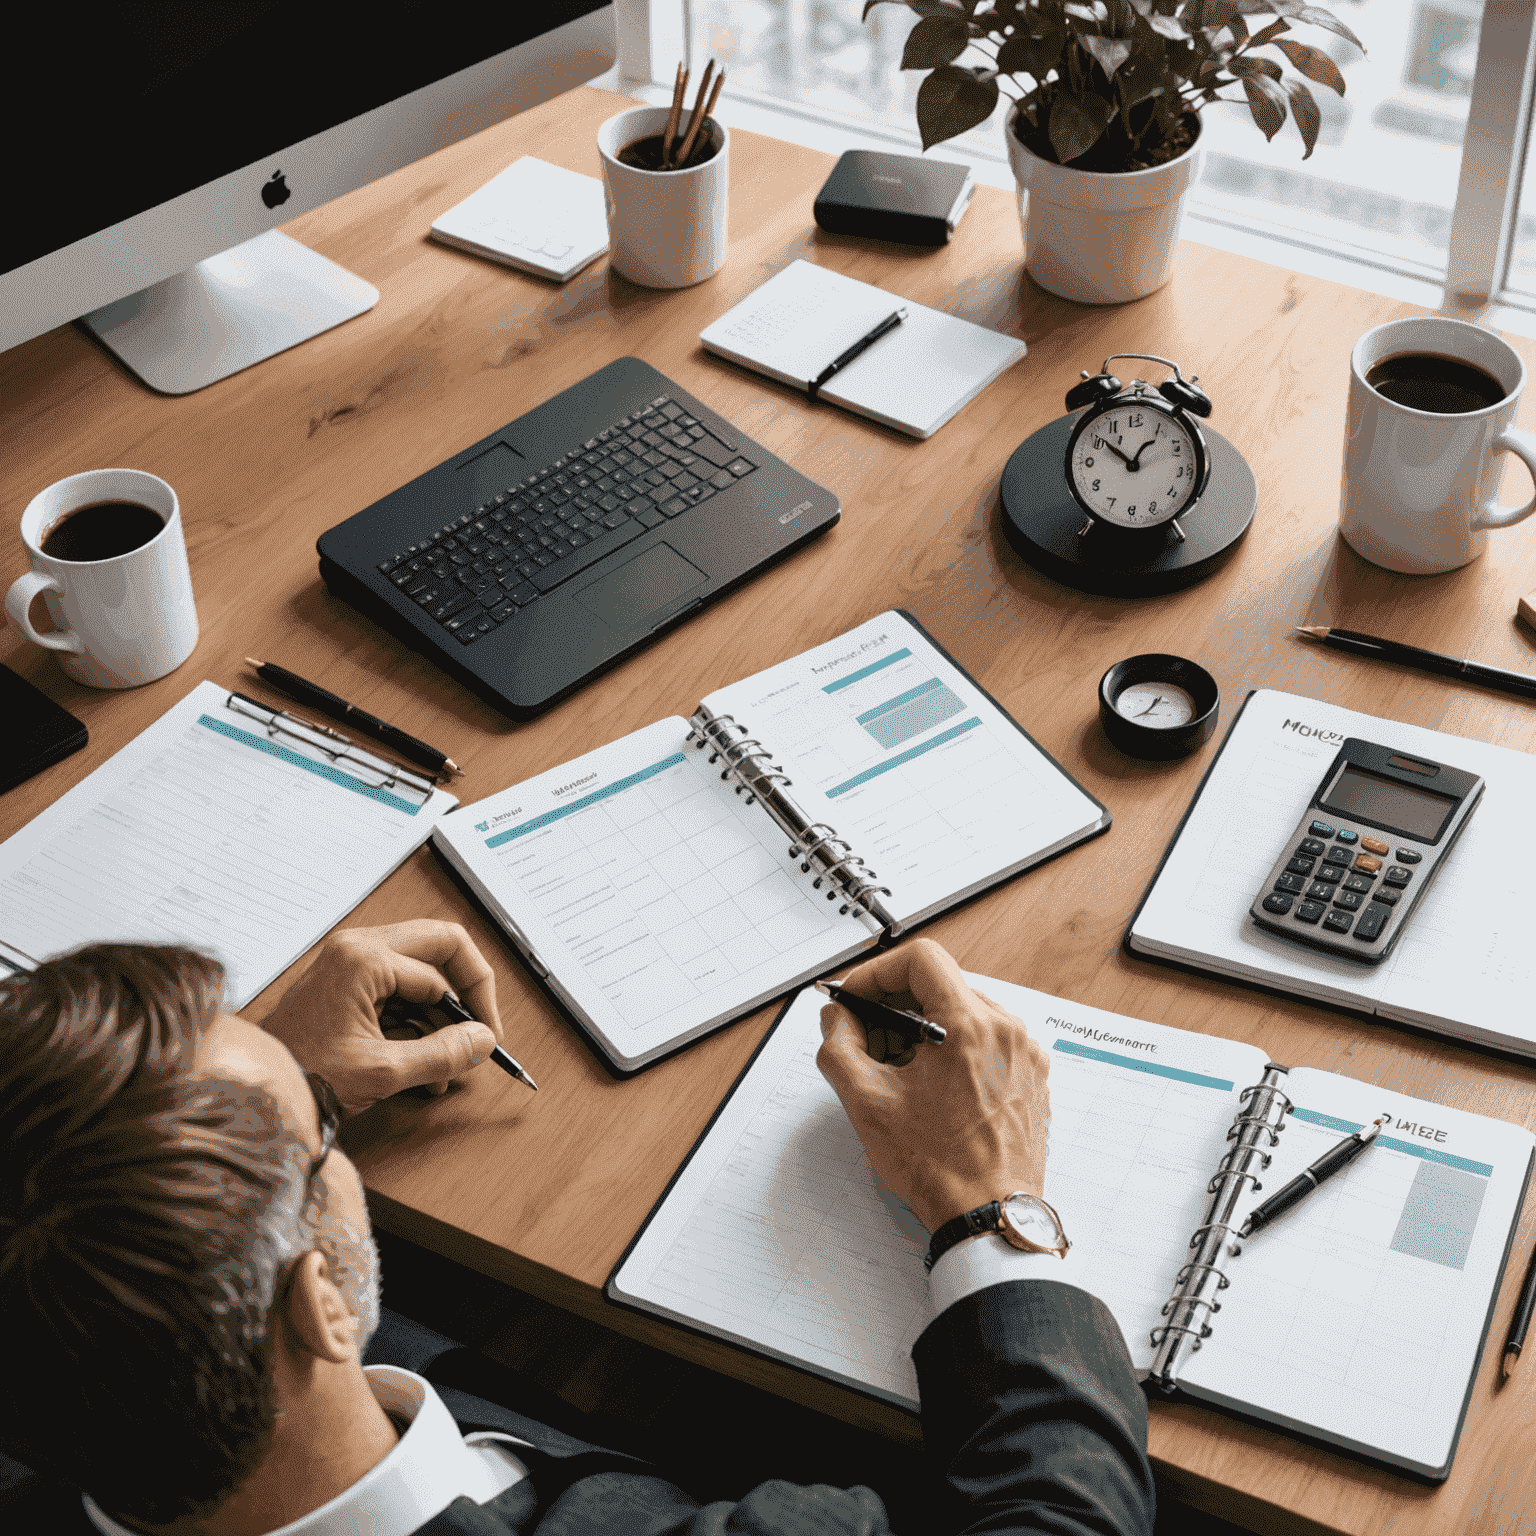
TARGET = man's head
(168,1243)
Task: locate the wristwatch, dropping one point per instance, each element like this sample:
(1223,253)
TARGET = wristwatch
(1025,1221)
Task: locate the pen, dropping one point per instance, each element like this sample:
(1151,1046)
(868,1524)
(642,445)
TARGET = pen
(1505,681)
(872,1015)
(1522,1321)
(337,708)
(863,344)
(1310,1178)
(503,1059)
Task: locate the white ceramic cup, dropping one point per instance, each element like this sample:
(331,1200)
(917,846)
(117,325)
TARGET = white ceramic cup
(122,621)
(1420,488)
(666,229)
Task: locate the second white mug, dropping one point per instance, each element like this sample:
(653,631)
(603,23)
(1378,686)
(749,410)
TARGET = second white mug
(1420,486)
(121,620)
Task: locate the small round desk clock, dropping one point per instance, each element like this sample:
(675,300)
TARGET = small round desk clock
(1158,706)
(1131,495)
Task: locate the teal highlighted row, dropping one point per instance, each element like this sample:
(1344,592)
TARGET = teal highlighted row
(863,672)
(899,700)
(320,770)
(1429,1154)
(903,757)
(616,788)
(1139,1064)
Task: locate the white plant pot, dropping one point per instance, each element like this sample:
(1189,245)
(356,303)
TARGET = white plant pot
(1100,237)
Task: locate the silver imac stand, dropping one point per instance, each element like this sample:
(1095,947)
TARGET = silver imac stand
(234,309)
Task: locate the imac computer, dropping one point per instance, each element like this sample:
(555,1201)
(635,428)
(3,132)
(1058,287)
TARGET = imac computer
(155,147)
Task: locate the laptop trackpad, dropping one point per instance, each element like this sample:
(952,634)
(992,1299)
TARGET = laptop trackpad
(641,588)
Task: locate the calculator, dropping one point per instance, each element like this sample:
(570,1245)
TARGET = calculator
(1367,847)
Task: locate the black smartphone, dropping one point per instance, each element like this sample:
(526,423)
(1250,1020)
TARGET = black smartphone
(1368,846)
(39,732)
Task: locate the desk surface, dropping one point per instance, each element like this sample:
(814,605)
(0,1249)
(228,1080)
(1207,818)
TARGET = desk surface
(545,1191)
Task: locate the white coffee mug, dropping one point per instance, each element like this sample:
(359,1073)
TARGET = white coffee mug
(666,229)
(121,621)
(1420,488)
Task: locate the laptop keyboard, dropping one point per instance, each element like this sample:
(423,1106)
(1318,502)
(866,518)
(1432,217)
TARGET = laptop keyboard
(482,568)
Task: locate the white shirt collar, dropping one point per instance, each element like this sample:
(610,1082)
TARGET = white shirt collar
(430,1466)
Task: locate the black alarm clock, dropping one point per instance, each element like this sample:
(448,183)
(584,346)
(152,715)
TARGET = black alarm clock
(1137,459)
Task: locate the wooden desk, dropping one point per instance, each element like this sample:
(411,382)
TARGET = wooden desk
(544,1191)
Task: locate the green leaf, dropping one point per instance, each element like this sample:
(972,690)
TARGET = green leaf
(935,40)
(950,100)
(1076,124)
(1314,64)
(1318,17)
(1304,110)
(1143,75)
(1022,54)
(1246,67)
(1086,10)
(1108,52)
(1168,26)
(1268,34)
(1266,100)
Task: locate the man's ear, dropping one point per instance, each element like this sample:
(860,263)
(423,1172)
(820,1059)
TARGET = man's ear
(318,1313)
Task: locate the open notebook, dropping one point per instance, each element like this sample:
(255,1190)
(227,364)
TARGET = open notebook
(1465,966)
(914,378)
(678,878)
(227,826)
(1357,1319)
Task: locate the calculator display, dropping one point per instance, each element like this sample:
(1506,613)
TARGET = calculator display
(1405,808)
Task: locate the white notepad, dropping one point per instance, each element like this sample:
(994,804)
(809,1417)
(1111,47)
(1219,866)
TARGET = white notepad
(680,877)
(913,379)
(1357,1318)
(1465,966)
(218,827)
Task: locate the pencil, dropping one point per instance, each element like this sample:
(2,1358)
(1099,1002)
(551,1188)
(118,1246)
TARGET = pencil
(698,115)
(679,90)
(1521,683)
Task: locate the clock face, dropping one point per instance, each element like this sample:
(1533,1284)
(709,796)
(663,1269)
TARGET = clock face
(1159,705)
(1029,1218)
(1134,465)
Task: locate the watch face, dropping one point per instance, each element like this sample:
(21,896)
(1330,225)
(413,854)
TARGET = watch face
(1031,1219)
(1159,705)
(1134,464)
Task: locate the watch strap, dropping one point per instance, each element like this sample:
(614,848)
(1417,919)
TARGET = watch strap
(985,1218)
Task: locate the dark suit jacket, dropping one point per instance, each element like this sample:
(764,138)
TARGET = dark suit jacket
(1031,1417)
(1031,1420)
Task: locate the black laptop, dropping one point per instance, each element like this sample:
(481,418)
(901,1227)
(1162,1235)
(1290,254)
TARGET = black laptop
(555,547)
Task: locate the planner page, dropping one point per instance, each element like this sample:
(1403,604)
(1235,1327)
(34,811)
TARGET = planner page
(1360,1313)
(210,830)
(1465,964)
(776,1233)
(933,786)
(656,902)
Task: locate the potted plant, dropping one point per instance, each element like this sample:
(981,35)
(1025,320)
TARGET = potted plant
(1104,132)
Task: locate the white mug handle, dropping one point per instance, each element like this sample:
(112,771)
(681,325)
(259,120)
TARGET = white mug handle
(1523,446)
(19,599)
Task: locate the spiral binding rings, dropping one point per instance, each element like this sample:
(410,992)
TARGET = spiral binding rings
(1196,1334)
(1225,1169)
(1222,1283)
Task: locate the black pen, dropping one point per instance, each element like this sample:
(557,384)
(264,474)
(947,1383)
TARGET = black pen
(1309,1178)
(1521,1322)
(456,1011)
(863,344)
(872,1015)
(327,703)
(1502,678)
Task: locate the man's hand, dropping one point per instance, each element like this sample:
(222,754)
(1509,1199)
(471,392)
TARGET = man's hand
(329,1018)
(960,1123)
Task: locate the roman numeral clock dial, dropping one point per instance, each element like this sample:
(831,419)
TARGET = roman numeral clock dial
(1129,493)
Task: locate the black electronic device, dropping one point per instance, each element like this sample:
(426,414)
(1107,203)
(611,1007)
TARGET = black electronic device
(38,732)
(894,197)
(1367,848)
(552,549)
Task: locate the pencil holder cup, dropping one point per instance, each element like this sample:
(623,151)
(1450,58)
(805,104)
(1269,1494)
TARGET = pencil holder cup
(666,229)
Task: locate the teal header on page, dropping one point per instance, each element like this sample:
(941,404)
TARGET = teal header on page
(1429,1154)
(560,812)
(1136,1064)
(903,757)
(309,765)
(869,671)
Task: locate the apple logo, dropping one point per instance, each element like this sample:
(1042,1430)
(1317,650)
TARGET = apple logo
(275,191)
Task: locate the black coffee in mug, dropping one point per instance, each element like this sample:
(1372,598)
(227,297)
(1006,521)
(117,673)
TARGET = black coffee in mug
(102,530)
(1431,381)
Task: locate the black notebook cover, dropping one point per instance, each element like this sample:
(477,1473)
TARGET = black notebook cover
(41,732)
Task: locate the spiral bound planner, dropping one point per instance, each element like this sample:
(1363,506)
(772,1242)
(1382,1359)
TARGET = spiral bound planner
(1356,1320)
(672,881)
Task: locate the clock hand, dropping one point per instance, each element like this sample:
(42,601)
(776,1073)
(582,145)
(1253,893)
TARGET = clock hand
(1117,453)
(1136,462)
(1150,707)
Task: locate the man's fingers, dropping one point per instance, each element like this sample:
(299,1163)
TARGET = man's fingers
(419,982)
(439,1057)
(920,967)
(844,1058)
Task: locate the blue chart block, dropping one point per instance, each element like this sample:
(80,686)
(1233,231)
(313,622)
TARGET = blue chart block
(911,714)
(1440,1215)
